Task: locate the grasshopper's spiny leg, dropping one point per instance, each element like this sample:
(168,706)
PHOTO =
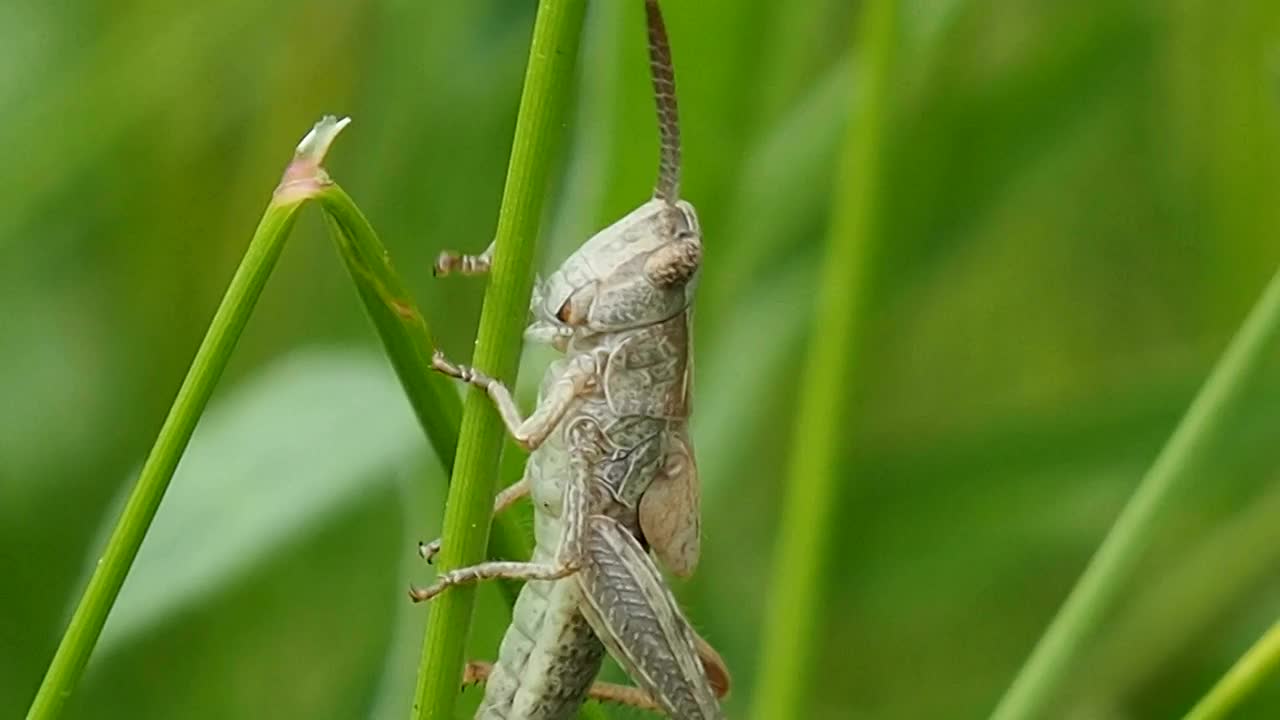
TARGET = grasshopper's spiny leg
(496,570)
(568,558)
(450,262)
(580,373)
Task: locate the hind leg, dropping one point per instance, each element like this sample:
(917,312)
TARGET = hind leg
(477,672)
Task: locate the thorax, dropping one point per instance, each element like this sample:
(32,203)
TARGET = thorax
(616,431)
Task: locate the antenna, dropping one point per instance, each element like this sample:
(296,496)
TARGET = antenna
(664,94)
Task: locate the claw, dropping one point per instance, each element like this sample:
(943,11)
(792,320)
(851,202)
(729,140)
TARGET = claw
(465,373)
(445,263)
(418,594)
(429,550)
(476,672)
(443,582)
(441,364)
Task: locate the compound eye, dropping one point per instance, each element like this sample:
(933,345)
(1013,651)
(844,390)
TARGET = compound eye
(575,309)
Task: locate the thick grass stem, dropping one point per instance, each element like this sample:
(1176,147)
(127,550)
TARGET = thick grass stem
(468,513)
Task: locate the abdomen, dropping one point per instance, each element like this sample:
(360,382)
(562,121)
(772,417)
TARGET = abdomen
(549,656)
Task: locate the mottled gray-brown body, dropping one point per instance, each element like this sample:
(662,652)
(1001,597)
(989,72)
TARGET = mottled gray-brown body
(611,473)
(550,655)
(608,436)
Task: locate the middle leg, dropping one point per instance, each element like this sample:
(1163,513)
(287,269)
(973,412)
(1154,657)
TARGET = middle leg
(568,557)
(496,570)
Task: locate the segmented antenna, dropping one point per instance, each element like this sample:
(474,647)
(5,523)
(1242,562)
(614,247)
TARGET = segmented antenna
(664,93)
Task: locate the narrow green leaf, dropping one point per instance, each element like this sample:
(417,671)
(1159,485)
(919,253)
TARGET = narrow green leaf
(408,344)
(1167,619)
(397,320)
(338,426)
(468,513)
(302,178)
(1260,661)
(820,431)
(1103,580)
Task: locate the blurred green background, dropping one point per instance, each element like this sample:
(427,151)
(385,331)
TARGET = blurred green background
(1080,206)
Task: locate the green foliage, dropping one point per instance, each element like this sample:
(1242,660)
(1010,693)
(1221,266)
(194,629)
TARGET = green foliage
(365,422)
(143,501)
(1257,666)
(407,343)
(834,356)
(1077,214)
(1233,379)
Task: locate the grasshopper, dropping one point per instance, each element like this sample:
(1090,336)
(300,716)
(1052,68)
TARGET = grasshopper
(611,473)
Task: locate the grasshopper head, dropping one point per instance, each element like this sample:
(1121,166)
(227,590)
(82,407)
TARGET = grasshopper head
(639,271)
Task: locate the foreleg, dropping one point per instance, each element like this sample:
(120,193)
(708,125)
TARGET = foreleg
(450,262)
(496,570)
(579,374)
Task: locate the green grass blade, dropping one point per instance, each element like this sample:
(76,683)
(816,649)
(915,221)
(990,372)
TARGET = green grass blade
(407,341)
(1100,585)
(301,180)
(1249,671)
(396,318)
(1166,619)
(820,429)
(468,513)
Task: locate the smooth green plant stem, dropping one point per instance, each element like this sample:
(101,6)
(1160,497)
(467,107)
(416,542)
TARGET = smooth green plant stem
(408,344)
(1095,593)
(821,429)
(468,513)
(1243,678)
(303,176)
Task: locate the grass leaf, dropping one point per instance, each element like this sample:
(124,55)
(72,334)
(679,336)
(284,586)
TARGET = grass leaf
(408,344)
(1104,579)
(1260,661)
(300,180)
(339,425)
